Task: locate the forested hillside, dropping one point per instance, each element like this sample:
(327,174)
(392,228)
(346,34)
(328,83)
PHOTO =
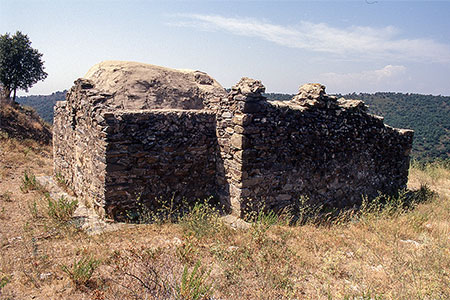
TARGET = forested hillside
(43,104)
(427,115)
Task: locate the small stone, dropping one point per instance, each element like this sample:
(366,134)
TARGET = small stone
(227,115)
(44,276)
(230,130)
(176,241)
(284,197)
(238,141)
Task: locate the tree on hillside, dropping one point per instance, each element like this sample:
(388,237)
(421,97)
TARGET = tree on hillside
(21,66)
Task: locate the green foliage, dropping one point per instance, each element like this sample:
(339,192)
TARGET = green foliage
(60,179)
(261,222)
(278,96)
(165,211)
(21,66)
(32,206)
(62,209)
(81,270)
(194,284)
(304,211)
(29,182)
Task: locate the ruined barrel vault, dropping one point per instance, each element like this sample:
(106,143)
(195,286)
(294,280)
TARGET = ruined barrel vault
(130,131)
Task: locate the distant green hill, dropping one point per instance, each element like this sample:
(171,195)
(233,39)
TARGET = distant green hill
(427,115)
(43,104)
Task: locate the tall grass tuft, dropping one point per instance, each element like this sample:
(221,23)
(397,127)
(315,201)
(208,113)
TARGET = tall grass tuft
(194,284)
(29,182)
(81,270)
(62,209)
(202,220)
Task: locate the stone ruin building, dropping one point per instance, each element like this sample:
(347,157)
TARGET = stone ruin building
(131,131)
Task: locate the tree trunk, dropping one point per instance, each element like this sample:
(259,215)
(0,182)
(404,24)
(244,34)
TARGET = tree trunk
(14,96)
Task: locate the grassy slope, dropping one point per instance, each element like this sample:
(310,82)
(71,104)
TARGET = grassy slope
(23,123)
(403,255)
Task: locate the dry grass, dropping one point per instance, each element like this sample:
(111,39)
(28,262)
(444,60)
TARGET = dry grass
(376,255)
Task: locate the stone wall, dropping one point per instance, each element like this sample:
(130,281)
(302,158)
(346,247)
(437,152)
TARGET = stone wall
(79,143)
(116,145)
(159,155)
(331,151)
(113,158)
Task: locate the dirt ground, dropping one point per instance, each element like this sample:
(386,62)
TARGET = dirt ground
(379,255)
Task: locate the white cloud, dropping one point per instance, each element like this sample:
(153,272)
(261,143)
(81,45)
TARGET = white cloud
(354,42)
(389,77)
(388,72)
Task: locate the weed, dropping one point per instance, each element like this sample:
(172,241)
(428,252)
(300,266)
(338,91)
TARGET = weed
(261,222)
(194,284)
(142,214)
(81,271)
(29,182)
(423,194)
(6,196)
(60,179)
(364,296)
(163,212)
(201,221)
(148,273)
(4,280)
(305,212)
(26,151)
(33,209)
(62,209)
(4,135)
(187,251)
(387,205)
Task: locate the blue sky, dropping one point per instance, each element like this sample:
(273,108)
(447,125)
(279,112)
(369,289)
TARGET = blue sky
(350,46)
